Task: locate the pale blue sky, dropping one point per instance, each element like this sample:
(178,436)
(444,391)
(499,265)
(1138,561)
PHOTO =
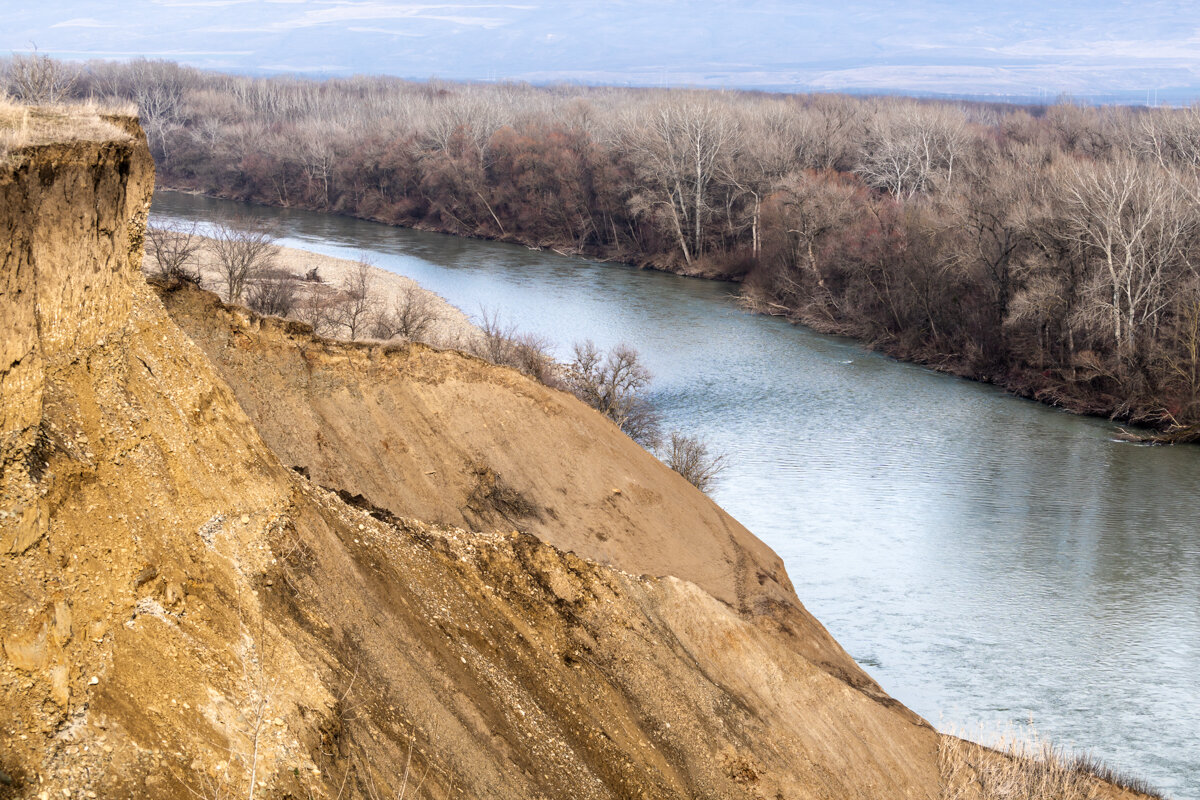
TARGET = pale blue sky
(1022,47)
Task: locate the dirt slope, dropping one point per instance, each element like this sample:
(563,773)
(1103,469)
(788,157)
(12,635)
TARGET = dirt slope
(446,437)
(184,616)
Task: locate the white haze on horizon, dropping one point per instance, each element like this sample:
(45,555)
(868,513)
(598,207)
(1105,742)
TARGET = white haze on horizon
(1019,48)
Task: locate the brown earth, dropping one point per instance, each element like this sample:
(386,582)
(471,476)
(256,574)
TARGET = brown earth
(449,438)
(182,615)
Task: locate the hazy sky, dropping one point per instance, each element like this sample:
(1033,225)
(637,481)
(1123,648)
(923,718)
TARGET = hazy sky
(1014,47)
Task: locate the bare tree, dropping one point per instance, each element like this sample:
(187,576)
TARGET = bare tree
(807,207)
(836,128)
(677,148)
(243,252)
(1137,228)
(909,148)
(773,144)
(274,293)
(412,314)
(158,88)
(992,208)
(36,79)
(691,458)
(1183,360)
(317,154)
(614,384)
(1171,137)
(174,250)
(359,300)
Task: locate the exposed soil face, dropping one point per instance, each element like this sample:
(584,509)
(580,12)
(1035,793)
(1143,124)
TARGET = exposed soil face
(446,437)
(183,615)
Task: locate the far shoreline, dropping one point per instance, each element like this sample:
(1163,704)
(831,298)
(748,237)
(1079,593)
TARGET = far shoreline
(1038,392)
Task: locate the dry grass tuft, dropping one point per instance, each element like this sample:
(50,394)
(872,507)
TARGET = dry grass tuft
(24,126)
(1020,770)
(1092,765)
(114,106)
(1017,767)
(14,125)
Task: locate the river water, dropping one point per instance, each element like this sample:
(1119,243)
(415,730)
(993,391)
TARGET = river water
(993,563)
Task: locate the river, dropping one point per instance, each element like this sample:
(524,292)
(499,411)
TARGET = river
(990,561)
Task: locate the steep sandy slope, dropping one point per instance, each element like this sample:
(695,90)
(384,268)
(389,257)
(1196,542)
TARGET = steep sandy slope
(184,616)
(446,437)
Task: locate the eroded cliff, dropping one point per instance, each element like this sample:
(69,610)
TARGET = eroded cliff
(446,437)
(184,615)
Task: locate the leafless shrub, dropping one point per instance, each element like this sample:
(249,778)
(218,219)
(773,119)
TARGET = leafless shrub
(690,457)
(274,294)
(317,308)
(359,300)
(412,314)
(173,249)
(243,252)
(491,494)
(38,80)
(496,342)
(501,343)
(614,384)
(533,358)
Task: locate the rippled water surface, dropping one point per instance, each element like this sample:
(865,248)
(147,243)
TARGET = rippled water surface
(988,560)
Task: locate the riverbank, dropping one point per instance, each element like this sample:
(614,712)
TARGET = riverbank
(447,326)
(1076,389)
(705,269)
(1048,386)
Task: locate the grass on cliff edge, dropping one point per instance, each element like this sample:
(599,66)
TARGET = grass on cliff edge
(24,126)
(1025,767)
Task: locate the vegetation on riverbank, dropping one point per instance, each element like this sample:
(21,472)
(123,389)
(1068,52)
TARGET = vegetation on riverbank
(355,300)
(1049,250)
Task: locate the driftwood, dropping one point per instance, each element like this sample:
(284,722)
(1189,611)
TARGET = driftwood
(1180,434)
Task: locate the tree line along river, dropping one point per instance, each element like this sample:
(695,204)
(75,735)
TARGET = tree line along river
(990,561)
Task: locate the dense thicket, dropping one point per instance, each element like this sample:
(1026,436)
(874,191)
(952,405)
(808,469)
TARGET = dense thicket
(1052,250)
